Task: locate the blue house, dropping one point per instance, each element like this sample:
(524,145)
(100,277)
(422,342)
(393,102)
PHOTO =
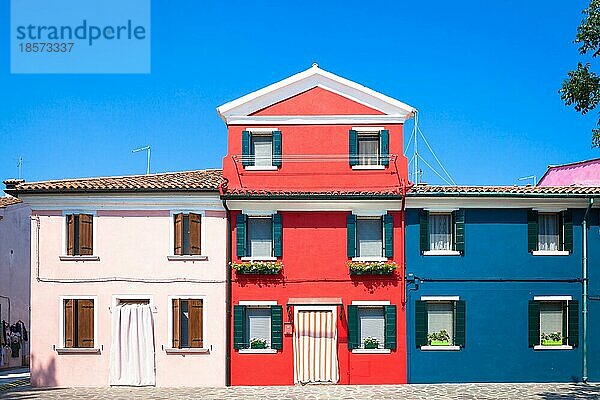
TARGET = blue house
(494,284)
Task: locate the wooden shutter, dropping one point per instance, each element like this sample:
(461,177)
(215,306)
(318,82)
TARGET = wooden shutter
(85,323)
(178,234)
(246,158)
(277,327)
(532,231)
(351,236)
(534,323)
(390,327)
(240,235)
(424,230)
(277,236)
(388,229)
(71,235)
(567,228)
(69,322)
(195,234)
(459,230)
(353,335)
(239,331)
(353,147)
(460,323)
(420,323)
(176,323)
(573,323)
(277,148)
(384,147)
(195,322)
(86,234)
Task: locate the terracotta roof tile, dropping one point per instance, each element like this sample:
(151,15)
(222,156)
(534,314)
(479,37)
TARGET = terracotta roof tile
(6,201)
(432,190)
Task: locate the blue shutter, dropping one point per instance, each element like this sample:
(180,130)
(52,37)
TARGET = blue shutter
(384,147)
(351,236)
(240,235)
(388,229)
(532,230)
(460,322)
(459,226)
(246,159)
(353,145)
(567,230)
(421,323)
(424,230)
(277,236)
(277,148)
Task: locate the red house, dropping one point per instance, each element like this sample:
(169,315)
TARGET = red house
(314,181)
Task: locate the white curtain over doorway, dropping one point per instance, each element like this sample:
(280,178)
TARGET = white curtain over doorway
(315,347)
(132,348)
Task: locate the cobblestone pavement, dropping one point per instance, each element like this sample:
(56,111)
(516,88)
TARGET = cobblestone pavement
(442,391)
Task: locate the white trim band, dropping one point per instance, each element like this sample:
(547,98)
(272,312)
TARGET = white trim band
(440,298)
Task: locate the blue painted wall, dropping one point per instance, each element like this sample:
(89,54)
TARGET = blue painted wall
(496,311)
(594,295)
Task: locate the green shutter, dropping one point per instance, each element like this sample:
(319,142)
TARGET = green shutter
(351,237)
(534,323)
(353,336)
(424,233)
(353,144)
(277,148)
(240,235)
(390,327)
(239,333)
(573,323)
(246,159)
(567,217)
(384,147)
(532,230)
(459,226)
(277,327)
(388,229)
(460,321)
(277,236)
(420,323)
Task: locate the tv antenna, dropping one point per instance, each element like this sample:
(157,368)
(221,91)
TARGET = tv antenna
(532,177)
(20,167)
(147,148)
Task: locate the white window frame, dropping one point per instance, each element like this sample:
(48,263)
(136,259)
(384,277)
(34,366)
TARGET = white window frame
(259,214)
(257,304)
(444,299)
(63,256)
(61,349)
(261,132)
(369,130)
(555,299)
(169,349)
(374,304)
(443,252)
(371,215)
(551,210)
(198,257)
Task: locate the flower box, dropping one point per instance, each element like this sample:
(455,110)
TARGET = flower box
(371,267)
(258,343)
(257,267)
(439,343)
(552,343)
(370,346)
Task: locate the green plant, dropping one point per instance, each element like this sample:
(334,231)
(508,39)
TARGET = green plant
(552,339)
(258,343)
(438,338)
(371,343)
(257,267)
(371,267)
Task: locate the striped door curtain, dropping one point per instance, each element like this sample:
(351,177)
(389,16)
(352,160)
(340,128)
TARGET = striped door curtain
(315,347)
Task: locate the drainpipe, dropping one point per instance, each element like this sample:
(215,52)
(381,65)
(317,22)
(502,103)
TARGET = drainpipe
(584,263)
(227,293)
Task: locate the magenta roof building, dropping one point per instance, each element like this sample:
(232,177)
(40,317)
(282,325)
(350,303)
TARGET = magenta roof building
(581,173)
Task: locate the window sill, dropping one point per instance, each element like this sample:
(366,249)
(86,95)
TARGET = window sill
(564,347)
(550,253)
(369,259)
(188,258)
(367,167)
(258,258)
(202,350)
(79,258)
(441,253)
(258,351)
(78,350)
(440,348)
(371,351)
(261,167)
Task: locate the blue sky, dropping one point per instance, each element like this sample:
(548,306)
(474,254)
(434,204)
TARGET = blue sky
(484,76)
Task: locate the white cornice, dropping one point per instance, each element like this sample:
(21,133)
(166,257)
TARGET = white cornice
(361,206)
(494,202)
(314,119)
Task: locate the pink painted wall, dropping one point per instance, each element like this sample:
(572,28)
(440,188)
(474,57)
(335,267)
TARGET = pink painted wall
(131,244)
(585,173)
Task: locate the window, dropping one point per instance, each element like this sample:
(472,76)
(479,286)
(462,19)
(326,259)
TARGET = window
(261,148)
(442,233)
(550,232)
(187,234)
(553,322)
(80,234)
(368,147)
(439,323)
(258,327)
(259,237)
(371,326)
(369,237)
(78,321)
(188,318)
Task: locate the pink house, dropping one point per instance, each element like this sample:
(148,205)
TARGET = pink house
(581,173)
(128,280)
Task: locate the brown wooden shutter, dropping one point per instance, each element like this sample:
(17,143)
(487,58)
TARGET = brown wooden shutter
(69,321)
(195,334)
(70,235)
(85,323)
(86,234)
(178,234)
(176,324)
(195,235)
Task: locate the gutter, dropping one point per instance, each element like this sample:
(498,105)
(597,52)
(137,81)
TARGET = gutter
(227,293)
(584,265)
(503,195)
(314,197)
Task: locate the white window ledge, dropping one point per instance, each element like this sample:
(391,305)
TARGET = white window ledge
(371,351)
(369,259)
(440,348)
(259,258)
(261,168)
(368,167)
(441,253)
(564,347)
(258,351)
(188,258)
(79,258)
(550,253)
(189,350)
(78,350)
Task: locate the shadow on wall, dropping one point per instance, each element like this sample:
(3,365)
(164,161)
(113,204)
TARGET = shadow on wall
(43,375)
(374,282)
(578,391)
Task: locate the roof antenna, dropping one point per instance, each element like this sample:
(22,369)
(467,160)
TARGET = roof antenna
(147,148)
(532,177)
(20,167)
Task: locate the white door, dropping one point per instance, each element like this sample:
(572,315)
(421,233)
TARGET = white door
(315,345)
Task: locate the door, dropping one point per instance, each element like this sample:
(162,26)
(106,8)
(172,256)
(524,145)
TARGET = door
(315,345)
